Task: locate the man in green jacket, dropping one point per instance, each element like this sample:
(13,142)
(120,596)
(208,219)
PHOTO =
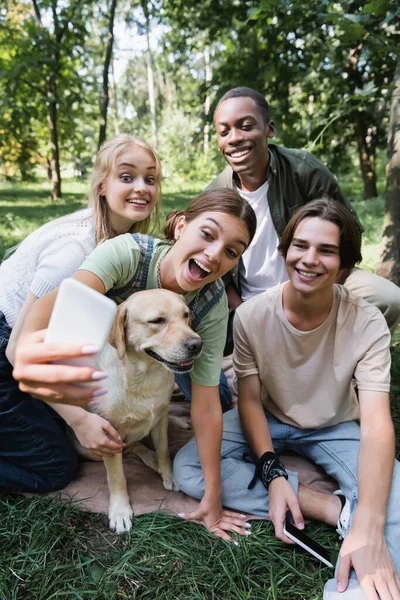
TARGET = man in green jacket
(276,181)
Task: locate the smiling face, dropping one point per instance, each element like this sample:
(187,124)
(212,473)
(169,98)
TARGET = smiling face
(243,135)
(205,249)
(131,190)
(313,260)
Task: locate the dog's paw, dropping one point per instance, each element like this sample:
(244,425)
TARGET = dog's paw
(179,422)
(169,483)
(120,518)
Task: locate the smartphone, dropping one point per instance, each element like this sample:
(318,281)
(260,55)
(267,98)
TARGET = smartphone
(303,540)
(83,316)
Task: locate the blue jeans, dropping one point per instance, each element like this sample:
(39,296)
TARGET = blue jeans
(35,454)
(185,385)
(335,449)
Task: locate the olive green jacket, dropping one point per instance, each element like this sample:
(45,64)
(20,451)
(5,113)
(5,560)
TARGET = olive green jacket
(295,177)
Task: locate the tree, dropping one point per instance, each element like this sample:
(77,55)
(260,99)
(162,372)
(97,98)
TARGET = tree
(389,264)
(47,86)
(106,69)
(325,67)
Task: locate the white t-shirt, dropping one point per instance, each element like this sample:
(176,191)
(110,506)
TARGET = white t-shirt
(46,257)
(262,266)
(306,375)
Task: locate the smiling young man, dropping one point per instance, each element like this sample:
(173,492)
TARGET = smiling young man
(277,181)
(298,347)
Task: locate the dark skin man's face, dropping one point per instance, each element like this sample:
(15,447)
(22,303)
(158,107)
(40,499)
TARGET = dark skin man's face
(243,135)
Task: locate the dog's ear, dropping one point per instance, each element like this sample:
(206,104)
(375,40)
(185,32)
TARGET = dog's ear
(117,334)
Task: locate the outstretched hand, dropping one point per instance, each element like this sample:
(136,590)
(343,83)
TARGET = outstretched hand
(219,521)
(369,556)
(37,375)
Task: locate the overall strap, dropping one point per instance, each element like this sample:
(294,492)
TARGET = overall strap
(202,303)
(139,280)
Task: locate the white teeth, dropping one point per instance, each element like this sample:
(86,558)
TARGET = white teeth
(137,201)
(202,266)
(307,274)
(239,153)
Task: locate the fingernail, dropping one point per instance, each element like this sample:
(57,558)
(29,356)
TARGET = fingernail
(300,526)
(89,349)
(181,515)
(99,392)
(93,403)
(247,524)
(97,375)
(340,587)
(236,543)
(244,516)
(247,533)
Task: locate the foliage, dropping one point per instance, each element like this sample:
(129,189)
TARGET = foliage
(326,68)
(38,46)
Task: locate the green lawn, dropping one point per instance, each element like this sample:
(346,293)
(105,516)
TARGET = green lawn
(51,550)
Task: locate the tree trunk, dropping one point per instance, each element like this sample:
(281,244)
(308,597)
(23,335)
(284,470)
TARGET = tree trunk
(114,100)
(389,262)
(150,77)
(52,101)
(366,153)
(52,123)
(107,61)
(207,103)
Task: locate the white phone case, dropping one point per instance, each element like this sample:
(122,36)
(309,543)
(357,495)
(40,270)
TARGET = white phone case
(83,316)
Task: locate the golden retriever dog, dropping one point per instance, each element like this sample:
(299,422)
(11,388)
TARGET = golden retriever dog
(150,340)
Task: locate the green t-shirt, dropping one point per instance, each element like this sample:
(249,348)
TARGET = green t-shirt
(115,262)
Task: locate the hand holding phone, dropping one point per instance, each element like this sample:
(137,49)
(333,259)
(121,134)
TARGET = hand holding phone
(80,316)
(303,540)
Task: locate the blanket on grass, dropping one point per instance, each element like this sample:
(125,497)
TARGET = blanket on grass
(145,488)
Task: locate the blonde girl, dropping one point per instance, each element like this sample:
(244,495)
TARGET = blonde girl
(124,195)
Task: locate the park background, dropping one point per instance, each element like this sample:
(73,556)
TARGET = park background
(74,73)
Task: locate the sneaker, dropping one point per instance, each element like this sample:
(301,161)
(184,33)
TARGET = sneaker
(343,522)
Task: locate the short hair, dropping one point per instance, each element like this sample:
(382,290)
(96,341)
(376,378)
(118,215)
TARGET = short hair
(246,92)
(223,200)
(328,209)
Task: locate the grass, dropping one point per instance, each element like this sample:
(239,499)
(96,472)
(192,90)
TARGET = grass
(52,550)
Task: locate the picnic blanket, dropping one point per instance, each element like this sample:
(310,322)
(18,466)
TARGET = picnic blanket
(145,488)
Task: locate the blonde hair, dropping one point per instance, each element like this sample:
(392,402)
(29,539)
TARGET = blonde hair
(103,166)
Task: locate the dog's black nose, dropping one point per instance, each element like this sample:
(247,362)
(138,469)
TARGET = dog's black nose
(193,345)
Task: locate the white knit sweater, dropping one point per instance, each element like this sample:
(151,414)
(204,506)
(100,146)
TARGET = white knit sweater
(46,257)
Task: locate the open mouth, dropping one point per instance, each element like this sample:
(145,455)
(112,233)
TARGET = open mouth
(137,201)
(183,367)
(308,274)
(197,270)
(239,153)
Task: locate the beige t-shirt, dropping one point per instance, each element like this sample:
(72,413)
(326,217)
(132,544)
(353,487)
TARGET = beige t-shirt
(306,375)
